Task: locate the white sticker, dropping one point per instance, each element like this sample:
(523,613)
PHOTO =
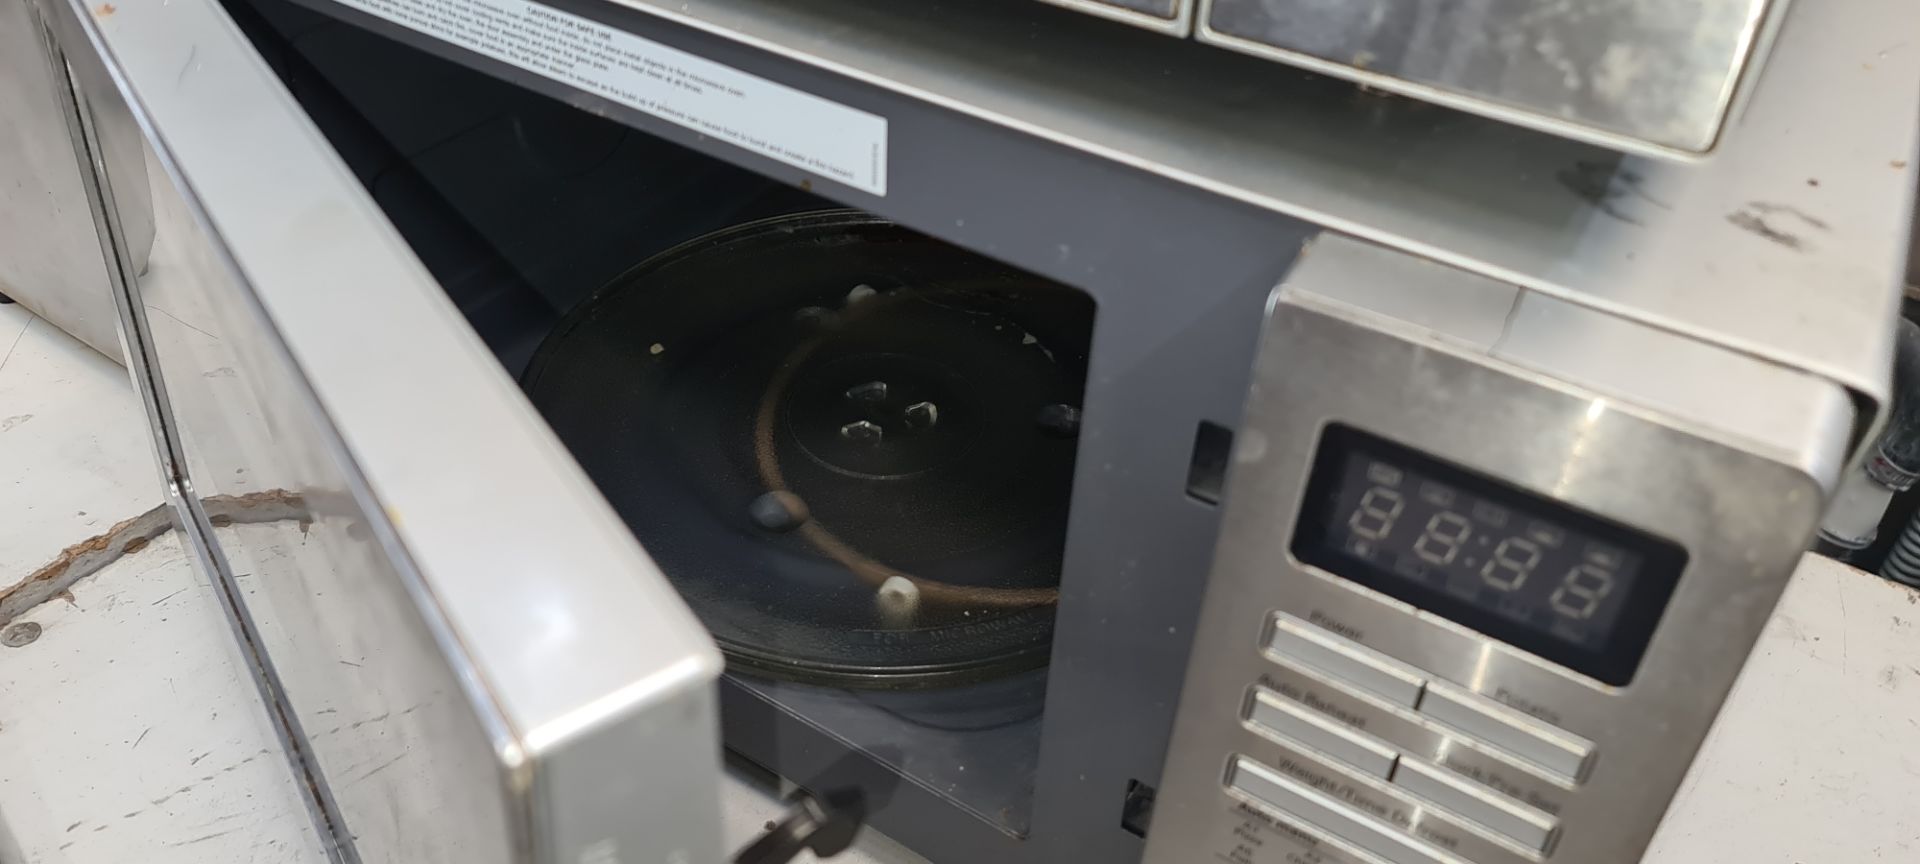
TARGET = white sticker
(830,139)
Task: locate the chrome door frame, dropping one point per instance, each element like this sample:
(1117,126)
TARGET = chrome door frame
(124,254)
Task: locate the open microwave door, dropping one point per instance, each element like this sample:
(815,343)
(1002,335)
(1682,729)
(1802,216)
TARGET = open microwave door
(471,658)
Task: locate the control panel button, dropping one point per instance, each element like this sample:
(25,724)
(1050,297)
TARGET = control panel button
(1414,735)
(1317,812)
(1387,807)
(1525,825)
(1518,733)
(1276,713)
(1311,646)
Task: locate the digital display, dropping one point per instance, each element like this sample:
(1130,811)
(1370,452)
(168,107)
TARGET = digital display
(1569,586)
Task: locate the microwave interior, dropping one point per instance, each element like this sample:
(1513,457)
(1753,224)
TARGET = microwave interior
(860,453)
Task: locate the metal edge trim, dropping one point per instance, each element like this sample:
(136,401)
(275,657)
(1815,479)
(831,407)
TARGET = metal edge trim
(1361,317)
(1179,25)
(1203,31)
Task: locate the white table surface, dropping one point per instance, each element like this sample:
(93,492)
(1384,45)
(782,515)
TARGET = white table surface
(130,731)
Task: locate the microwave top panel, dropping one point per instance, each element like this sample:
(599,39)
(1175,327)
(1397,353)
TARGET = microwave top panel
(1657,77)
(1648,76)
(1773,247)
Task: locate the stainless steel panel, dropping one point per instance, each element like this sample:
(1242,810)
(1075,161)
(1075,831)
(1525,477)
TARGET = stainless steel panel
(1611,355)
(1418,737)
(1490,722)
(1530,828)
(1297,641)
(1271,712)
(1319,813)
(1783,246)
(1742,517)
(1624,72)
(1454,306)
(1381,818)
(1173,17)
(1773,410)
(49,254)
(484,665)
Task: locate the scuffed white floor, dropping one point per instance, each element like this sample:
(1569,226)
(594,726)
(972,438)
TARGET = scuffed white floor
(74,457)
(129,729)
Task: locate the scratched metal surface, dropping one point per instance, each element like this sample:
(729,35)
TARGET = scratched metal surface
(1654,70)
(49,257)
(1156,8)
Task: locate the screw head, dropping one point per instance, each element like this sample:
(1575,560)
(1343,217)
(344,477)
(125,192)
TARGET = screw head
(863,431)
(922,415)
(21,634)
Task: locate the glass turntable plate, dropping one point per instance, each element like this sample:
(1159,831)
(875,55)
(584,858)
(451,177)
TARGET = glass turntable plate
(849,446)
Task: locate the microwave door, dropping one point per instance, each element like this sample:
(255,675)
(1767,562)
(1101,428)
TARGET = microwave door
(473,659)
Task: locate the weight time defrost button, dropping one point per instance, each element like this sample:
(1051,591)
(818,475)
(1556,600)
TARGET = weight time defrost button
(1311,646)
(1313,810)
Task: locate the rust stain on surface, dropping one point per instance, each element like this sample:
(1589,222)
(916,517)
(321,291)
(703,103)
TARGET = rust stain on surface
(104,9)
(86,557)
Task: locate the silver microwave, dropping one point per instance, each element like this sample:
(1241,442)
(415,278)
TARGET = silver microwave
(1067,445)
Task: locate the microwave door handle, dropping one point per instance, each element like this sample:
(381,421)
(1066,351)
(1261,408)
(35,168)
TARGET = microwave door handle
(824,825)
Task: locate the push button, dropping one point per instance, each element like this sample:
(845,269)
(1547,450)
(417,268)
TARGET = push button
(1520,734)
(1418,736)
(1525,825)
(1315,811)
(1310,646)
(1280,715)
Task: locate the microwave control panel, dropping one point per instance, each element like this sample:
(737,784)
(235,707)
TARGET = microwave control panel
(1462,611)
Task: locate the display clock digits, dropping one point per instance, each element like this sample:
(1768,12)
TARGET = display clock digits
(1523,568)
